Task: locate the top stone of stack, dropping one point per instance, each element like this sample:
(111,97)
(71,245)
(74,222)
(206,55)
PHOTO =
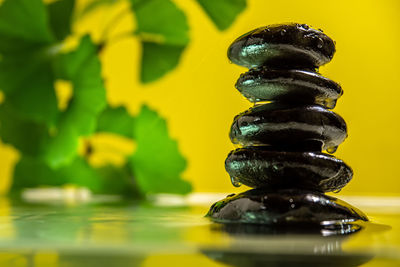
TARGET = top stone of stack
(282,46)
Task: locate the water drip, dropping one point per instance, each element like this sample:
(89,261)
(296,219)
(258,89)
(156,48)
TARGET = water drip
(332,149)
(235,182)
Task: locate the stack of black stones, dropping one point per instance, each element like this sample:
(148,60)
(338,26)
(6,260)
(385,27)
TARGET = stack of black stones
(282,139)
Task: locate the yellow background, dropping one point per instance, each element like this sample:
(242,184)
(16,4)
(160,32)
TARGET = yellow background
(199,99)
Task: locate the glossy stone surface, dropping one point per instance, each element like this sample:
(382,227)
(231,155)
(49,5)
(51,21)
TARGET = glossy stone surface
(284,207)
(259,167)
(282,140)
(282,46)
(287,125)
(288,86)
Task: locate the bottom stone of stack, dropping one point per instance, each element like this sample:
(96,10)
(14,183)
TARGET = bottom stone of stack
(282,208)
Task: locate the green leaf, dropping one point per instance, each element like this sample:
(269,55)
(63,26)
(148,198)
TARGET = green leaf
(163,30)
(35,99)
(82,67)
(161,21)
(27,75)
(107,179)
(157,163)
(60,15)
(93,5)
(223,12)
(61,148)
(22,63)
(80,173)
(158,59)
(118,180)
(23,21)
(115,120)
(24,135)
(25,54)
(30,172)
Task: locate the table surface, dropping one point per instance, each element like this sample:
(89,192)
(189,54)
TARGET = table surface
(171,230)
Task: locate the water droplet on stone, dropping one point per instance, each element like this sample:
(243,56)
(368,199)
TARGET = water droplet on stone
(283,31)
(329,103)
(235,182)
(277,167)
(237,144)
(292,206)
(332,150)
(320,43)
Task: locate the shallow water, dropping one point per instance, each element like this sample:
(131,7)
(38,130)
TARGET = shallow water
(118,233)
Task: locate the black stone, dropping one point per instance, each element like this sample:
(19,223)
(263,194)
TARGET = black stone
(284,207)
(287,125)
(259,167)
(282,46)
(288,86)
(282,141)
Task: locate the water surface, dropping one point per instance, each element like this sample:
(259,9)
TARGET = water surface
(121,233)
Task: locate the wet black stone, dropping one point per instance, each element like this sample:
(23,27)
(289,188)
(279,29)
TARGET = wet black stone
(259,167)
(282,46)
(287,125)
(282,141)
(284,207)
(288,86)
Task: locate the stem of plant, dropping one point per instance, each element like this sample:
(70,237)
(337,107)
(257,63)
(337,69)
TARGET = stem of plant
(112,24)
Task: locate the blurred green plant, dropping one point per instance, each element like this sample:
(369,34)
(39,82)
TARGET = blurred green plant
(32,59)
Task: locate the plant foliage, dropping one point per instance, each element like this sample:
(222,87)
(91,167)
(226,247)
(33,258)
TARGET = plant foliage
(32,59)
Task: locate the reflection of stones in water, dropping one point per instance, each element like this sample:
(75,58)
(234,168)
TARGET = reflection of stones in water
(260,245)
(247,259)
(333,229)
